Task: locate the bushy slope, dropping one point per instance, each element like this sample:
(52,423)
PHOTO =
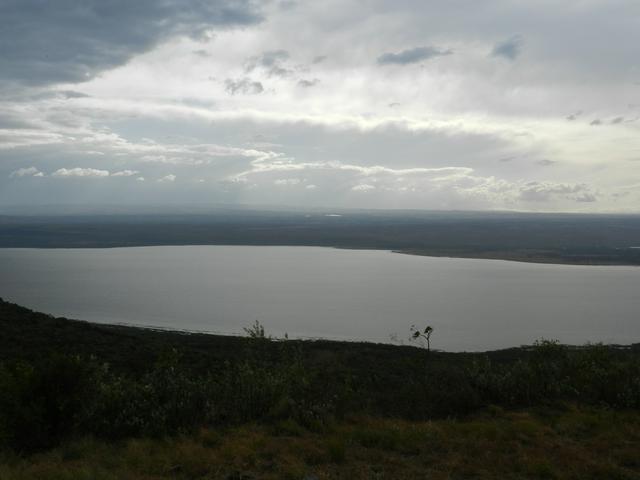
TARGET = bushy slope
(61,379)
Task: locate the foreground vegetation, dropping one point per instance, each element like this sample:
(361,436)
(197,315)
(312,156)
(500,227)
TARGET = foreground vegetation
(542,443)
(94,401)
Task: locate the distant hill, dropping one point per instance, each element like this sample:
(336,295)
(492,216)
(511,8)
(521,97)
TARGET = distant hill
(550,238)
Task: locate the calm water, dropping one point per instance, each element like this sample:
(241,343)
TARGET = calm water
(323,292)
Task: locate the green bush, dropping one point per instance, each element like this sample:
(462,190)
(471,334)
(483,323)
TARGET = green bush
(166,400)
(45,402)
(41,404)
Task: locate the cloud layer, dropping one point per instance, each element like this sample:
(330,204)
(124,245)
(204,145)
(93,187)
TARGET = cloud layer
(406,104)
(412,55)
(509,49)
(71,41)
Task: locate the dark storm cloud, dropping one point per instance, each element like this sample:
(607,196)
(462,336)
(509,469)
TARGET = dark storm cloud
(596,122)
(412,55)
(509,49)
(44,42)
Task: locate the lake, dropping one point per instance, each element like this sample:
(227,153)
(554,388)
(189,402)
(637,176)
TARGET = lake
(329,293)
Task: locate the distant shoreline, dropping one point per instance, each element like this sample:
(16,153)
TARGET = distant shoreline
(57,331)
(604,240)
(519,256)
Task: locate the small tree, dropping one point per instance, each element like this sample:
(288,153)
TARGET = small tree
(417,334)
(255,331)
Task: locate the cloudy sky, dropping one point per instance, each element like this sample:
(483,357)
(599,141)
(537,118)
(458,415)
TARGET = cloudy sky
(457,104)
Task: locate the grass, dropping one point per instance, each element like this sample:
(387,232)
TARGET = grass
(563,443)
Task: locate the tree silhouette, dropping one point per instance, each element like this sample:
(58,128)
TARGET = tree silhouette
(425,334)
(255,331)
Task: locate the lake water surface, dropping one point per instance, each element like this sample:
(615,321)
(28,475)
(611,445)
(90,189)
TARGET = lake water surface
(329,293)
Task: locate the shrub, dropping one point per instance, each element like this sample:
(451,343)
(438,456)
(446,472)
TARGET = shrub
(43,403)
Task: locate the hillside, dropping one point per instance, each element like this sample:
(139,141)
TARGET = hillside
(81,400)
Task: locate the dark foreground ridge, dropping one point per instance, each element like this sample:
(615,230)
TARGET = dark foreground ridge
(82,400)
(543,238)
(62,377)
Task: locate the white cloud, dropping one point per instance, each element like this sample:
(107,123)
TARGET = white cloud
(125,173)
(26,172)
(363,187)
(167,178)
(279,163)
(13,138)
(543,191)
(286,181)
(80,172)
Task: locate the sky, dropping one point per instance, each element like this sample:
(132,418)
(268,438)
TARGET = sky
(420,104)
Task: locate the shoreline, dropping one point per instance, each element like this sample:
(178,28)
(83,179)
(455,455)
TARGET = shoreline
(535,256)
(542,260)
(127,329)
